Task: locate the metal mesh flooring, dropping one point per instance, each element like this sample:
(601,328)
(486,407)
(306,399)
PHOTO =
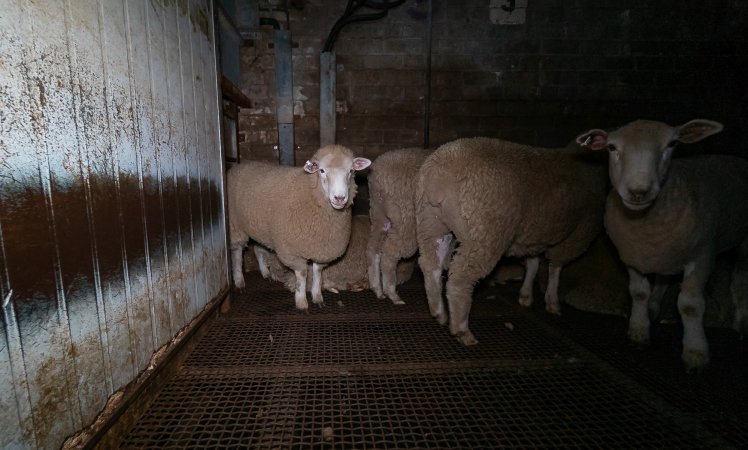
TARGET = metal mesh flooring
(363,373)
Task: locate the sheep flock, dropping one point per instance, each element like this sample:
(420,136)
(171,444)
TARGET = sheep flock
(465,206)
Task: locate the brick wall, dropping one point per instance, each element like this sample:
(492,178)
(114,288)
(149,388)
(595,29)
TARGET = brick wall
(573,64)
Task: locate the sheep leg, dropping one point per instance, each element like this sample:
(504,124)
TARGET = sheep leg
(552,304)
(460,299)
(433,280)
(691,305)
(390,258)
(300,270)
(469,264)
(237,249)
(389,278)
(379,227)
(639,290)
(655,299)
(317,284)
(531,269)
(432,235)
(300,291)
(375,282)
(261,254)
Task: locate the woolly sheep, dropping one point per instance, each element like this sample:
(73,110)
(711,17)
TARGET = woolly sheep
(392,180)
(666,217)
(303,214)
(502,199)
(345,274)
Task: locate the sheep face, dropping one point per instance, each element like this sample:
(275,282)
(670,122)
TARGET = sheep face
(336,170)
(640,155)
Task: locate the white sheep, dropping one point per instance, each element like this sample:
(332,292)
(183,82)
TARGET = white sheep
(348,273)
(499,199)
(666,217)
(392,183)
(303,214)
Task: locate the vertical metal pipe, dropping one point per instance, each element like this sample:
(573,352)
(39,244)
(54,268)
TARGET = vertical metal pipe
(427,81)
(326,98)
(284,96)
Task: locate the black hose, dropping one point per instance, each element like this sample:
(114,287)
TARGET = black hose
(270,21)
(348,17)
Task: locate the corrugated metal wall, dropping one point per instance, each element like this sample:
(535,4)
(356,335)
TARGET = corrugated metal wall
(112,231)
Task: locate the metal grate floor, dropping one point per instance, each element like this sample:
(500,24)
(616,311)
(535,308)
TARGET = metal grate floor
(363,373)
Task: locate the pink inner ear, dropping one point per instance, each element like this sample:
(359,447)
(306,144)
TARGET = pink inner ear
(361,163)
(593,139)
(311,166)
(598,142)
(695,133)
(697,130)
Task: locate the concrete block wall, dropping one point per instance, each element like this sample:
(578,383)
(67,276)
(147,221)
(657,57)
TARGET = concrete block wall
(571,65)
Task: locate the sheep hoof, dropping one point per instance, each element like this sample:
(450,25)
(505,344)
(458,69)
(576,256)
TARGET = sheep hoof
(639,335)
(395,298)
(467,339)
(240,284)
(695,359)
(301,304)
(441,318)
(525,301)
(553,308)
(319,301)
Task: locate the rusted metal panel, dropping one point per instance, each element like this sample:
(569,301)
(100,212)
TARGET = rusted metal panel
(112,234)
(89,333)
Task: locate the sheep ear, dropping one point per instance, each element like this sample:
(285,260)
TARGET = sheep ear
(311,166)
(697,130)
(361,163)
(595,139)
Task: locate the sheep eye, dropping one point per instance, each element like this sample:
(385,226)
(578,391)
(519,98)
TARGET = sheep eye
(321,170)
(612,147)
(672,144)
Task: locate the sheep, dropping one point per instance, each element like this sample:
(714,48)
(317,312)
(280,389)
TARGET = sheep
(667,217)
(392,180)
(500,198)
(303,214)
(347,273)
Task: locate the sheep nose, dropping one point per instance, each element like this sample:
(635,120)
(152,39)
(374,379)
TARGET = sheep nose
(638,194)
(339,199)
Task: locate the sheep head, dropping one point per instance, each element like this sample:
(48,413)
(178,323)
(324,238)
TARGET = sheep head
(336,166)
(640,154)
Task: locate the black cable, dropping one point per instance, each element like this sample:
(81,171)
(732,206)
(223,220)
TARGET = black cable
(348,17)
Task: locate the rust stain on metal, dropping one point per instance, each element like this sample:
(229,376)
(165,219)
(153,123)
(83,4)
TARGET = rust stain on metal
(30,253)
(199,20)
(51,404)
(104,221)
